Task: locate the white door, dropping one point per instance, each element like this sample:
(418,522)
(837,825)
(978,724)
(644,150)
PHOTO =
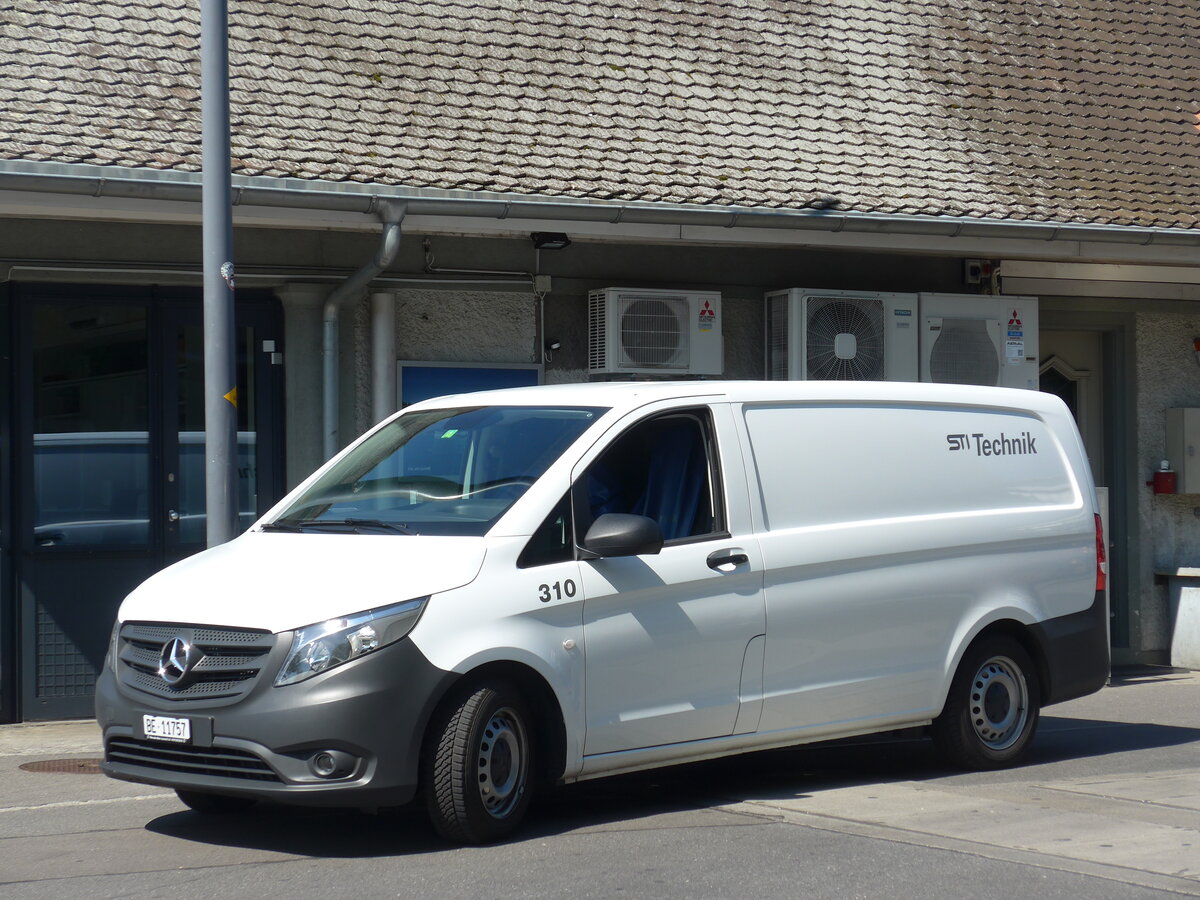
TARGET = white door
(1071,368)
(666,635)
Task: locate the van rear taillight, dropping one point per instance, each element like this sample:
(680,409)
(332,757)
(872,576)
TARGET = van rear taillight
(1101,557)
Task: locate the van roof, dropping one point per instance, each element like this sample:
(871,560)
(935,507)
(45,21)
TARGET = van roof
(621,395)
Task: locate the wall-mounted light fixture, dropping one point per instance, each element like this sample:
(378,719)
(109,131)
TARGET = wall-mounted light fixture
(549,240)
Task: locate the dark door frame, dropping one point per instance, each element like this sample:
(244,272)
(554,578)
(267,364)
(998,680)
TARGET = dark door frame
(9,633)
(18,555)
(1117,328)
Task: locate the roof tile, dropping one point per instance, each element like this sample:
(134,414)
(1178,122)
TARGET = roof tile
(1059,110)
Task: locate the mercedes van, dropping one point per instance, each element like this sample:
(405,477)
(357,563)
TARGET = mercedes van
(490,592)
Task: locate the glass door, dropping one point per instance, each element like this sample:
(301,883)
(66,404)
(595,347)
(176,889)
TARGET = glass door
(89,497)
(183,439)
(113,428)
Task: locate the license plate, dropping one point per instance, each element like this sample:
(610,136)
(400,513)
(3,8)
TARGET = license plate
(167,728)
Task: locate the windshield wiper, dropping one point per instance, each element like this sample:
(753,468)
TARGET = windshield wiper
(356,524)
(278,526)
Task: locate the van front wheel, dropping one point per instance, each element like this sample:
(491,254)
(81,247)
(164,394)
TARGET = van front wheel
(992,710)
(477,777)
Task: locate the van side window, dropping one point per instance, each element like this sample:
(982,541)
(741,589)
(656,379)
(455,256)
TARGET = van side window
(662,468)
(552,542)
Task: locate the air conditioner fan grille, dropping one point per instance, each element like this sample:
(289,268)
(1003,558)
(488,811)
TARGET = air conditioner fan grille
(653,333)
(963,353)
(831,324)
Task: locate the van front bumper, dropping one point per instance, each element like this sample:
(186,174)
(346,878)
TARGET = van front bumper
(368,717)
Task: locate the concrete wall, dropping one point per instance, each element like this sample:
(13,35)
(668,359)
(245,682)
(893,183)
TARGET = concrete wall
(448,325)
(1167,376)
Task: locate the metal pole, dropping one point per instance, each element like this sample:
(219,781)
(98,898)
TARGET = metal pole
(220,370)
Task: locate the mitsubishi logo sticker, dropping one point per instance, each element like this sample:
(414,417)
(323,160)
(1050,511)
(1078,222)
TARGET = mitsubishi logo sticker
(177,660)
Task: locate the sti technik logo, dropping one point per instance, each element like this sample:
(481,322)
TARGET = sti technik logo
(1024,444)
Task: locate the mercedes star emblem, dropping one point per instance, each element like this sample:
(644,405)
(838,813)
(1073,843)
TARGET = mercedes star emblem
(177,660)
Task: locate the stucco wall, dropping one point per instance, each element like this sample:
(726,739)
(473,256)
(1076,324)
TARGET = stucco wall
(1167,376)
(466,326)
(448,325)
(443,325)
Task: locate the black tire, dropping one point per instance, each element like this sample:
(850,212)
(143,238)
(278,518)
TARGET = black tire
(479,764)
(991,712)
(214,804)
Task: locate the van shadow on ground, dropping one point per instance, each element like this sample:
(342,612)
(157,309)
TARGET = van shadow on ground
(775,774)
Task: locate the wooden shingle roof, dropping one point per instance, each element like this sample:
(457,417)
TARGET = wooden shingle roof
(1073,111)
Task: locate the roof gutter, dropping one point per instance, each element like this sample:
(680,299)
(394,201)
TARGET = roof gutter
(295,193)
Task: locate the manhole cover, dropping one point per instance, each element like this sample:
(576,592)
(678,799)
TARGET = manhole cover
(68,766)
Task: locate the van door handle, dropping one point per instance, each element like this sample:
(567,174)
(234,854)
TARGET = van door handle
(734,557)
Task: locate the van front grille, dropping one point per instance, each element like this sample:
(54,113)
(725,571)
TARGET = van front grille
(221,662)
(212,762)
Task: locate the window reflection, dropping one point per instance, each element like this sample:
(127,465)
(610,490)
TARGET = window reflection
(90,461)
(190,471)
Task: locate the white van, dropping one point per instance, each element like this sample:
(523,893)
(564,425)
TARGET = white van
(492,591)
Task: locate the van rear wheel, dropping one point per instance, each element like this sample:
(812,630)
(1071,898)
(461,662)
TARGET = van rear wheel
(478,765)
(992,709)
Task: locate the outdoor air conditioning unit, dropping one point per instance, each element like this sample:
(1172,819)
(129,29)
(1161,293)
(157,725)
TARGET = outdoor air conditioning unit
(654,332)
(980,339)
(841,336)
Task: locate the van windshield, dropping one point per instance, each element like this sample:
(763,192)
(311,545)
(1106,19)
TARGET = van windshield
(441,471)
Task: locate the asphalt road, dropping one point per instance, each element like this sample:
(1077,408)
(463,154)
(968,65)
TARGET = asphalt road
(1108,807)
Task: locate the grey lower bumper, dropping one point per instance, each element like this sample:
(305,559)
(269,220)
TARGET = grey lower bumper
(370,713)
(1076,652)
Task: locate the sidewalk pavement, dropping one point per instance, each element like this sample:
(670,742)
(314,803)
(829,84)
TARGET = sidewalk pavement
(51,738)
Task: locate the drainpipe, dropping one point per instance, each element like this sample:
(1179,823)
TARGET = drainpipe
(392,214)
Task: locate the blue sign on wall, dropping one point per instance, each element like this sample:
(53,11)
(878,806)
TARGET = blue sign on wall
(420,382)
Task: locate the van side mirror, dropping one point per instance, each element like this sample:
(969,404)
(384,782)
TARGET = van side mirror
(622,534)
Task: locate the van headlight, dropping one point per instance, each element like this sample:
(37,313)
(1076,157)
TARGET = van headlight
(114,649)
(319,648)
